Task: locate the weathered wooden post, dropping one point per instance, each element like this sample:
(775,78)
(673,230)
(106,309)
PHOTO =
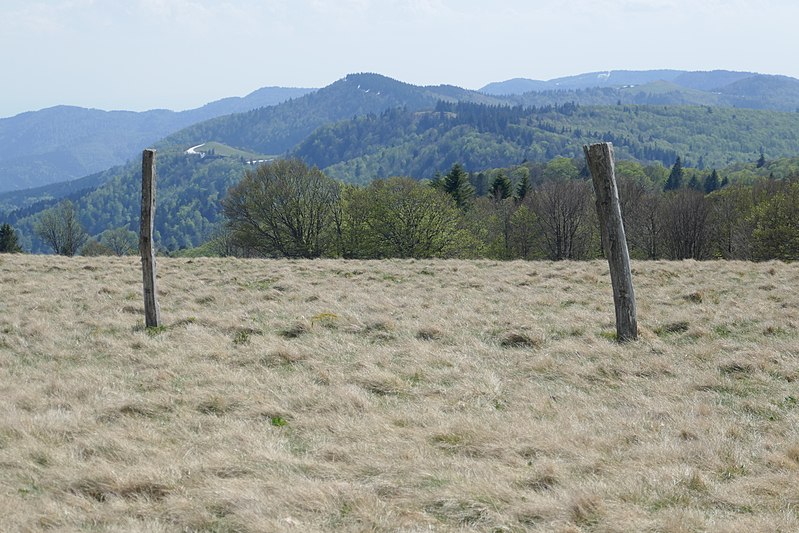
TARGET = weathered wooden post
(152,313)
(600,162)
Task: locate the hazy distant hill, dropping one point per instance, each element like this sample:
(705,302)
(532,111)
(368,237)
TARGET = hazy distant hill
(764,92)
(64,142)
(613,78)
(657,87)
(702,80)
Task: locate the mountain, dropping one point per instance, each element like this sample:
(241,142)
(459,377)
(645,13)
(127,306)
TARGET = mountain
(275,130)
(63,143)
(763,92)
(657,87)
(710,80)
(366,126)
(610,78)
(419,144)
(516,86)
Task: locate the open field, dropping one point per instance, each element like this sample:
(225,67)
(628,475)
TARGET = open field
(397,395)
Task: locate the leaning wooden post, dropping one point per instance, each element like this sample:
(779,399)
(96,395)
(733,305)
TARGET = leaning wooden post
(600,163)
(152,313)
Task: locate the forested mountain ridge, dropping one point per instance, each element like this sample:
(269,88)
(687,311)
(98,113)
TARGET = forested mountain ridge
(65,142)
(421,143)
(189,192)
(367,126)
(402,142)
(276,130)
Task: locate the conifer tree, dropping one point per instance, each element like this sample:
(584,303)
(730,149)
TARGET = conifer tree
(456,184)
(8,240)
(675,176)
(711,182)
(500,187)
(761,162)
(523,188)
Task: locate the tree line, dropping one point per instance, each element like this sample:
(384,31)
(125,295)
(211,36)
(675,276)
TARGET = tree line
(286,209)
(532,211)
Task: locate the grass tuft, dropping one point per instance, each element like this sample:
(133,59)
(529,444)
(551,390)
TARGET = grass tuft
(429,334)
(586,510)
(672,328)
(296,330)
(519,340)
(459,512)
(695,297)
(216,405)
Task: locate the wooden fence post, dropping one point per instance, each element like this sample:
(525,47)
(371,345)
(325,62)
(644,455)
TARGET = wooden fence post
(600,162)
(152,312)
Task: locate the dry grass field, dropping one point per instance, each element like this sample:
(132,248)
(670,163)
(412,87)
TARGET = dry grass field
(397,396)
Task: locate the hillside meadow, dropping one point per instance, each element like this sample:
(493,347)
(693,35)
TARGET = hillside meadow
(333,395)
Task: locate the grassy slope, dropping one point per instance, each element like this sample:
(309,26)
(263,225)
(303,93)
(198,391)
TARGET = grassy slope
(344,395)
(228,151)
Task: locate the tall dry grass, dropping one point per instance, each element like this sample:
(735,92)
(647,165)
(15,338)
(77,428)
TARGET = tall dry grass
(397,396)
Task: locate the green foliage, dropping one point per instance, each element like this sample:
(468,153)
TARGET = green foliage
(120,241)
(277,129)
(8,240)
(711,182)
(776,224)
(283,208)
(523,187)
(61,230)
(400,217)
(456,184)
(761,162)
(500,187)
(675,176)
(406,142)
(561,169)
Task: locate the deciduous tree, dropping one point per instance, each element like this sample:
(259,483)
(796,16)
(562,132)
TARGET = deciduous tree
(686,224)
(121,241)
(61,230)
(562,210)
(400,217)
(283,208)
(776,225)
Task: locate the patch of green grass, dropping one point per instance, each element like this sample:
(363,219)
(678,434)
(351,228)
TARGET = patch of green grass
(609,335)
(672,328)
(278,421)
(154,331)
(722,330)
(30,488)
(242,335)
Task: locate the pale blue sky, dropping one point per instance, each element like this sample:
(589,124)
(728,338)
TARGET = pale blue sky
(178,54)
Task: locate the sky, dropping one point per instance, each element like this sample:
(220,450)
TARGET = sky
(181,54)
